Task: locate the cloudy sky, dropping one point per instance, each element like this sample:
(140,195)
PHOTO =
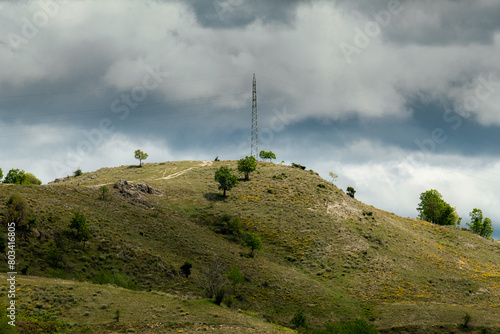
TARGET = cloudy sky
(396,97)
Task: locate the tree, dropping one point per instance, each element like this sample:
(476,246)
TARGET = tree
(226,179)
(247,165)
(1,174)
(17,210)
(103,192)
(253,242)
(267,155)
(79,223)
(214,282)
(434,209)
(32,179)
(350,191)
(477,225)
(140,156)
(333,176)
(77,172)
(235,276)
(17,176)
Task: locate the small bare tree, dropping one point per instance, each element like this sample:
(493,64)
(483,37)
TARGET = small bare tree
(214,281)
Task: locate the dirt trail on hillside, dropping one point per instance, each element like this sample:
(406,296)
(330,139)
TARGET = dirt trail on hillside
(171,176)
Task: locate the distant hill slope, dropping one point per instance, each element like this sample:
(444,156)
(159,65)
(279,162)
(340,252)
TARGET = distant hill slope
(324,253)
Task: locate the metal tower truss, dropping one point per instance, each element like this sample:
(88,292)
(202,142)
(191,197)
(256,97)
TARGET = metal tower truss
(255,134)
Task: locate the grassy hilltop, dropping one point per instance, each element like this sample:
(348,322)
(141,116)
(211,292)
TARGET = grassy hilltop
(324,253)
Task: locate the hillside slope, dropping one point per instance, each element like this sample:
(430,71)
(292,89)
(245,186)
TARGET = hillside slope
(324,253)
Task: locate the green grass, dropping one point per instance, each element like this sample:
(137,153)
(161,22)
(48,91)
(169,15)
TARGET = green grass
(333,257)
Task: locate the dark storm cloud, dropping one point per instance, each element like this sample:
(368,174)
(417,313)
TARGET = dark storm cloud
(238,14)
(437,23)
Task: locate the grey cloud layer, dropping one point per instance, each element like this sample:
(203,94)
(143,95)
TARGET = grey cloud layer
(431,67)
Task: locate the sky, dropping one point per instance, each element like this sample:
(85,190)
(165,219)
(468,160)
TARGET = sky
(394,96)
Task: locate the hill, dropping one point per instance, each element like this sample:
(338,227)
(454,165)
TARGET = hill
(324,254)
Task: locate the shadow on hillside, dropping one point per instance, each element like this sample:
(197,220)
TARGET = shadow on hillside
(214,197)
(134,166)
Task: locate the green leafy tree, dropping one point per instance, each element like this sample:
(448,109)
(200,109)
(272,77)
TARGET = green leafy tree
(253,242)
(247,165)
(226,180)
(434,209)
(1,174)
(103,190)
(267,155)
(32,179)
(79,223)
(77,172)
(235,277)
(17,176)
(350,191)
(140,156)
(483,227)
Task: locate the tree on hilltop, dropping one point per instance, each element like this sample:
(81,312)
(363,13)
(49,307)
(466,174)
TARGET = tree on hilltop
(267,155)
(1,174)
(247,165)
(483,227)
(17,176)
(434,209)
(226,180)
(333,176)
(140,155)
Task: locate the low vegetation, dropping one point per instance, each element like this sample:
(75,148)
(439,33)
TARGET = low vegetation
(171,255)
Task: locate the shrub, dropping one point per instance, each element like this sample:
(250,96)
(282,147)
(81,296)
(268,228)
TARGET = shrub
(118,279)
(77,172)
(280,176)
(186,269)
(466,323)
(3,240)
(17,209)
(31,222)
(351,327)
(299,320)
(298,166)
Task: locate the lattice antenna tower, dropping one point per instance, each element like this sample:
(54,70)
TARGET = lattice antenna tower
(255,134)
